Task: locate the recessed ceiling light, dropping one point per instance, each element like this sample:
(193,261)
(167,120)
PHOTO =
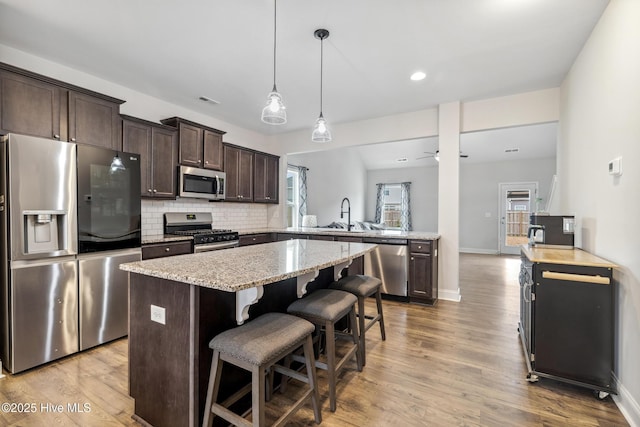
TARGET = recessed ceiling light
(418,75)
(402,160)
(207,99)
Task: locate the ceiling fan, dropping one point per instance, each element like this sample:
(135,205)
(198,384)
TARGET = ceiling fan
(436,155)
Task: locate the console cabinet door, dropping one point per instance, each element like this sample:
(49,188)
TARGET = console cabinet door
(239,169)
(164,163)
(136,138)
(266,178)
(212,150)
(94,121)
(30,107)
(190,145)
(420,276)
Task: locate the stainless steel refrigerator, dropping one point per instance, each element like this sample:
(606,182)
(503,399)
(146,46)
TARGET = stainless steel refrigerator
(38,229)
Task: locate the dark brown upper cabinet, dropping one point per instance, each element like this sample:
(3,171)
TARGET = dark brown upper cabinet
(199,146)
(238,166)
(265,178)
(158,149)
(37,105)
(94,121)
(30,107)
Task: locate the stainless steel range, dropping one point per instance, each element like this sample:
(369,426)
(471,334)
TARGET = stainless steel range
(199,225)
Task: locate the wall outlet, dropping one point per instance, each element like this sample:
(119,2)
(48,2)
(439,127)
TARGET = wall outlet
(158,314)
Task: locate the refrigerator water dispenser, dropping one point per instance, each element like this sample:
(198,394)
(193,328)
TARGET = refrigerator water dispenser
(44,231)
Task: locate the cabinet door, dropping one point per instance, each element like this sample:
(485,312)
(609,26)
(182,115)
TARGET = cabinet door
(231,168)
(161,250)
(136,138)
(265,187)
(29,106)
(245,176)
(420,276)
(164,163)
(190,145)
(212,150)
(94,121)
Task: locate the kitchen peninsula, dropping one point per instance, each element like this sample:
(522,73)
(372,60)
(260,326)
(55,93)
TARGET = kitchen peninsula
(177,304)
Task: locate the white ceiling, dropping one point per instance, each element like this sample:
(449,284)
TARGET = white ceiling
(178,51)
(535,141)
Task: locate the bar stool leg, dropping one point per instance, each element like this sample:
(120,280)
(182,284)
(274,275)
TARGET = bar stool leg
(356,340)
(381,321)
(213,388)
(331,363)
(257,395)
(313,380)
(361,331)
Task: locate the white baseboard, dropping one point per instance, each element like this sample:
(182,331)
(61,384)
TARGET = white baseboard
(478,251)
(627,404)
(450,295)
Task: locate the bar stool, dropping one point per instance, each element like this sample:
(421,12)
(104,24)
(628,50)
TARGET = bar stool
(363,287)
(256,346)
(324,308)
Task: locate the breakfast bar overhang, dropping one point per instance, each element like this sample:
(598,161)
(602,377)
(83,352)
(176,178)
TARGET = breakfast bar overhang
(178,304)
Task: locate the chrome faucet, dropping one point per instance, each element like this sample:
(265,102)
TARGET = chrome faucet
(348,211)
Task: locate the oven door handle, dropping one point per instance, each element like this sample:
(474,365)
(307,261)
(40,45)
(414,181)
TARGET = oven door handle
(214,246)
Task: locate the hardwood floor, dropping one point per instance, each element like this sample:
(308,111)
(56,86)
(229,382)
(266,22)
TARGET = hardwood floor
(454,364)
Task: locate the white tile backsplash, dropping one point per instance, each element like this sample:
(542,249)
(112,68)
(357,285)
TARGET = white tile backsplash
(235,216)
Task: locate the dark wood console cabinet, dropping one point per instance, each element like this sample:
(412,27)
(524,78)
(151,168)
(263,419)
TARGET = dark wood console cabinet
(37,105)
(158,148)
(199,146)
(423,271)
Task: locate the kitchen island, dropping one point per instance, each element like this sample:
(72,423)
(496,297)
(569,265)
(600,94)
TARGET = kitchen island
(178,304)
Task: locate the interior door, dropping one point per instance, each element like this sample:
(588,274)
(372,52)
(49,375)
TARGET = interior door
(517,201)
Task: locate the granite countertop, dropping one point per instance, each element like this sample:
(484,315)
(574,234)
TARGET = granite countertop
(164,238)
(386,234)
(246,267)
(573,256)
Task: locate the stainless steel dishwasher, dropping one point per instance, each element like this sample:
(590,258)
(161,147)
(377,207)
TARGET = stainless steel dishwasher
(388,262)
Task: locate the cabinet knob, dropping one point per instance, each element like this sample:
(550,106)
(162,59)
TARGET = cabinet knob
(56,136)
(206,162)
(155,191)
(167,249)
(150,190)
(419,247)
(73,140)
(412,258)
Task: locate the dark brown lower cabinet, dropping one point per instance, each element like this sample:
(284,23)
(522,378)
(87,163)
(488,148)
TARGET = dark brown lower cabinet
(160,250)
(423,271)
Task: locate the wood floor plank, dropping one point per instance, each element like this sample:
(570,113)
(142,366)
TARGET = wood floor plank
(455,364)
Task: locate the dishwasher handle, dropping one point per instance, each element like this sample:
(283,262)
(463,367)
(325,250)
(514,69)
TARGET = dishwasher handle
(576,277)
(385,241)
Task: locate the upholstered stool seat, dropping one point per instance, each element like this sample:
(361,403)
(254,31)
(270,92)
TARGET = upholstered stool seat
(363,287)
(324,308)
(256,346)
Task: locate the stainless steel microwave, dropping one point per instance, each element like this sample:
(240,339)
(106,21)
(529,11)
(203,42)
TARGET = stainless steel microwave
(201,183)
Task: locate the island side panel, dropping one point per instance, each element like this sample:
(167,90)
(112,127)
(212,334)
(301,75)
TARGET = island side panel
(159,356)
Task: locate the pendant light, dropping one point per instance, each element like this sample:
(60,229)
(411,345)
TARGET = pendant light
(320,131)
(274,113)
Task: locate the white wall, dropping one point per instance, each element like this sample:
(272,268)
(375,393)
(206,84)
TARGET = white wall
(479,195)
(333,175)
(600,120)
(424,194)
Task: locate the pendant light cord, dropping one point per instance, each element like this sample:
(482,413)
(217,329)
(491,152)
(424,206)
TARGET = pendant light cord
(321,61)
(275,23)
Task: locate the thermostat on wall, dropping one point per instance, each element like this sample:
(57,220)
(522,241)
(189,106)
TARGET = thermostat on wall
(615,166)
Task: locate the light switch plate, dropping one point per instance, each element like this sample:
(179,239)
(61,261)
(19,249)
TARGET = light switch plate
(158,314)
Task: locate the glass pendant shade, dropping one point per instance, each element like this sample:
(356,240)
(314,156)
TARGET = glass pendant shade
(321,131)
(116,164)
(274,113)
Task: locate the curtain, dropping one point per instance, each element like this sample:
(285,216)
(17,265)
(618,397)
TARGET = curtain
(302,192)
(379,202)
(405,206)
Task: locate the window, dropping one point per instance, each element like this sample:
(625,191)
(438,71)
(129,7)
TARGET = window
(293,196)
(392,206)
